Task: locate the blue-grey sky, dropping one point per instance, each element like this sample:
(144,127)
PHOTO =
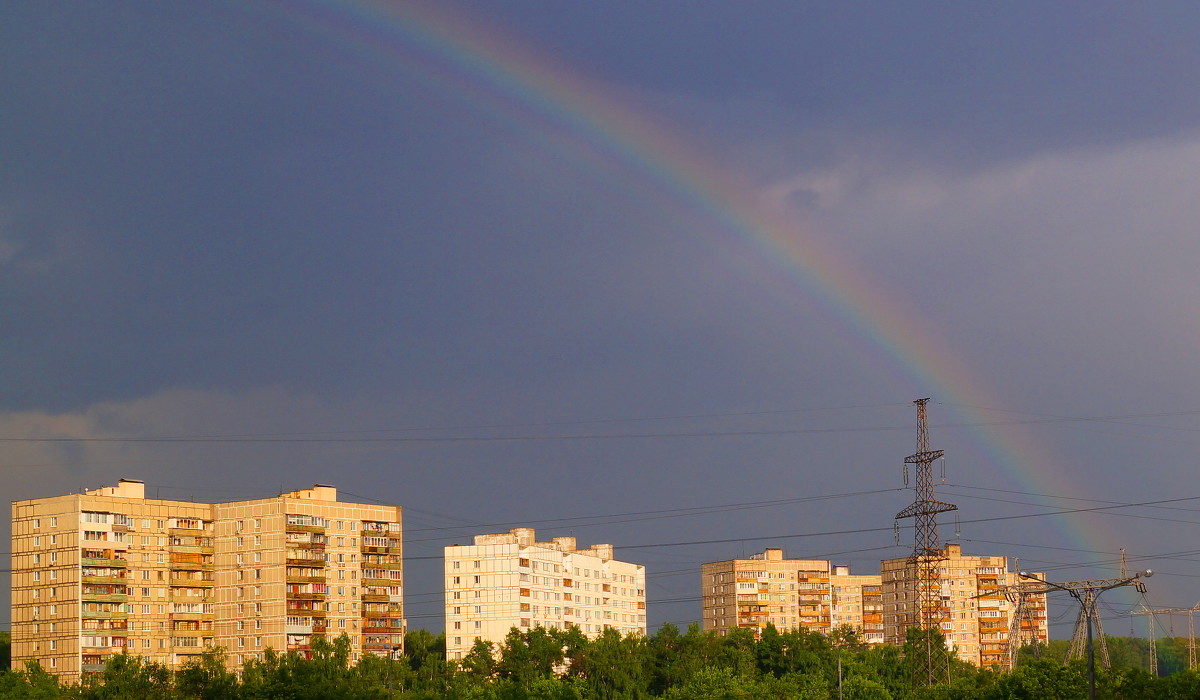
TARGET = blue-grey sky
(302,221)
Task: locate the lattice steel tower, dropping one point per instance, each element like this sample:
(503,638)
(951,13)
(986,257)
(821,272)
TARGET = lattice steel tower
(925,562)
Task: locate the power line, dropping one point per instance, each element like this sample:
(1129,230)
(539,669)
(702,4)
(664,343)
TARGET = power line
(311,437)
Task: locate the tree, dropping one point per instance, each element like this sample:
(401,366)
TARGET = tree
(207,678)
(128,677)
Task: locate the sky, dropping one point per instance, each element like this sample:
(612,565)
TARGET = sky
(667,275)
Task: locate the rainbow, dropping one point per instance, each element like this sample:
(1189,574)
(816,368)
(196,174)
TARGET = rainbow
(528,90)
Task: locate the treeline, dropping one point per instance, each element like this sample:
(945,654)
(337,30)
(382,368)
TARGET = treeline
(564,665)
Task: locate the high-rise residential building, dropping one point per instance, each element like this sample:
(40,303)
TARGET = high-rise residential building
(110,570)
(857,602)
(808,594)
(510,579)
(977,613)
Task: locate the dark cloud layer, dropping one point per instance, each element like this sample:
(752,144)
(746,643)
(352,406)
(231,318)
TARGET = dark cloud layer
(213,222)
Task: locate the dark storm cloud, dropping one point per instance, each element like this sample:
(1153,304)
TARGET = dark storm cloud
(215,223)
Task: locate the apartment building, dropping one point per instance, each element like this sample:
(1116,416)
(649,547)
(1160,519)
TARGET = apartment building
(974,609)
(110,570)
(510,579)
(808,594)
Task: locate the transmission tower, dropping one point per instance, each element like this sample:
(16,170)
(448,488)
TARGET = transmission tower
(1024,627)
(925,562)
(1191,613)
(1087,592)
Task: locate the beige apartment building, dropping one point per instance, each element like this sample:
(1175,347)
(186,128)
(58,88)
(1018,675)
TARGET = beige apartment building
(110,570)
(791,594)
(978,614)
(510,579)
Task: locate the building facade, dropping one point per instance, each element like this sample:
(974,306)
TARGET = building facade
(109,570)
(977,612)
(809,594)
(511,580)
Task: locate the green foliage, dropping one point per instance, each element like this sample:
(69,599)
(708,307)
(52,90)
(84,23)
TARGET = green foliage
(543,664)
(5,651)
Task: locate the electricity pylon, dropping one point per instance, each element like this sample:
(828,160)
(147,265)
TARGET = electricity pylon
(928,554)
(1191,613)
(1087,592)
(1023,628)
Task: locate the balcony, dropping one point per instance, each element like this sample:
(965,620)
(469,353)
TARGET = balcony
(104,650)
(104,597)
(188,532)
(193,548)
(102,614)
(193,582)
(383,582)
(117,580)
(305,579)
(382,550)
(103,562)
(198,599)
(311,561)
(306,595)
(294,527)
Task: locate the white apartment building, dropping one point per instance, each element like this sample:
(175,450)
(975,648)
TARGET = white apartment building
(510,579)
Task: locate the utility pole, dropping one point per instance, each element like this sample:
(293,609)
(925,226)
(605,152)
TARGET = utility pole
(924,565)
(1087,592)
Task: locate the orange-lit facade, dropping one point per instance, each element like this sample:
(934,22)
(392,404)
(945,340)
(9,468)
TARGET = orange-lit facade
(107,571)
(810,594)
(975,615)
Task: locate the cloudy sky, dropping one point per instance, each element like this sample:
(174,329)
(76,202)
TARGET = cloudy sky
(667,276)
